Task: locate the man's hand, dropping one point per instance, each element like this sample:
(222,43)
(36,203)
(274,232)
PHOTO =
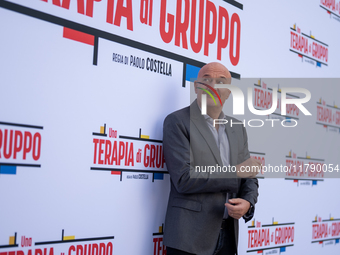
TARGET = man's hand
(249,168)
(237,207)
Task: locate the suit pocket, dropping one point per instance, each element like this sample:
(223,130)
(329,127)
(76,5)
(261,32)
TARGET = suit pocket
(187,204)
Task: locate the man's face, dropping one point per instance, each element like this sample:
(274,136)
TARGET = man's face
(208,76)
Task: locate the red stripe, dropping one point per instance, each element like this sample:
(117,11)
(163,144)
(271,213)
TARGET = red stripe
(214,92)
(300,56)
(78,36)
(296,180)
(115,172)
(259,251)
(212,89)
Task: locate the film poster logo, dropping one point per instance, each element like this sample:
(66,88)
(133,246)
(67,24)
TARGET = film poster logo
(332,7)
(20,146)
(68,244)
(140,156)
(270,238)
(207,28)
(263,100)
(308,48)
(326,231)
(328,116)
(158,246)
(305,170)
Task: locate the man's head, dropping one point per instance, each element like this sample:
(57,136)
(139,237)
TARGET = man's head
(209,75)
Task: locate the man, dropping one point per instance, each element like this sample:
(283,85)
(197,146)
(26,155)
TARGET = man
(204,207)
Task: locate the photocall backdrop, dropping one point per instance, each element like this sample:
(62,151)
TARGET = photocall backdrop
(86,85)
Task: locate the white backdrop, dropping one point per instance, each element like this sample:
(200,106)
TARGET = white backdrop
(81,165)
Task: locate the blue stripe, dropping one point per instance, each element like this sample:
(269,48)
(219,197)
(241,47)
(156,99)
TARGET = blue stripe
(8,169)
(191,72)
(314,182)
(282,249)
(318,63)
(158,176)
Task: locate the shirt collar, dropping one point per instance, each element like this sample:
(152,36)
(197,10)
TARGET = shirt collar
(210,120)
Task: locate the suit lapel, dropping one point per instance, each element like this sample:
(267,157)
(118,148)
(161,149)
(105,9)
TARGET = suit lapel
(198,120)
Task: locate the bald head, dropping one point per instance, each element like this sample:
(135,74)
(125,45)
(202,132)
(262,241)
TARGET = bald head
(208,76)
(214,69)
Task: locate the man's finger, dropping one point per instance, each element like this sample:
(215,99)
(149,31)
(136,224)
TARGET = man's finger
(229,206)
(234,201)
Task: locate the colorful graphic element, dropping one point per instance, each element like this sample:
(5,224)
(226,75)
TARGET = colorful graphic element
(328,115)
(78,36)
(325,231)
(263,100)
(332,7)
(212,89)
(307,46)
(120,153)
(11,243)
(67,239)
(275,237)
(20,146)
(158,246)
(304,169)
(90,35)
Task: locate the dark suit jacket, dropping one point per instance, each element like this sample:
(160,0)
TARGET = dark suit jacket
(196,201)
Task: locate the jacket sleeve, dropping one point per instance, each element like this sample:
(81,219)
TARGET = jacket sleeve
(249,186)
(179,160)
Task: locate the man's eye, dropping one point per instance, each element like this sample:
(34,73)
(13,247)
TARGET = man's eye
(206,80)
(220,82)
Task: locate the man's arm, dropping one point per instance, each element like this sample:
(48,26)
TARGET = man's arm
(244,205)
(249,187)
(180,163)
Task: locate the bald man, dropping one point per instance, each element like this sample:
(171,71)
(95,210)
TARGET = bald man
(204,207)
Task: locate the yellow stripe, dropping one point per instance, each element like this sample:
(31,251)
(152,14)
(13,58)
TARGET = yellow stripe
(312,36)
(294,26)
(69,238)
(308,156)
(102,130)
(258,82)
(275,223)
(144,136)
(253,223)
(331,218)
(11,240)
(160,229)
